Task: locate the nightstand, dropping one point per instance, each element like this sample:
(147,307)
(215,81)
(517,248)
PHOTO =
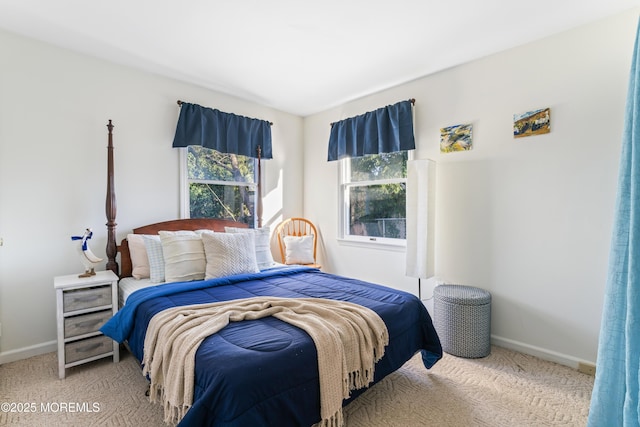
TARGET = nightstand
(84,304)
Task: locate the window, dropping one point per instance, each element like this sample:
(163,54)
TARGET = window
(373,191)
(219,185)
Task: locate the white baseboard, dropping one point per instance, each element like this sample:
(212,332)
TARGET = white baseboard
(26,352)
(542,353)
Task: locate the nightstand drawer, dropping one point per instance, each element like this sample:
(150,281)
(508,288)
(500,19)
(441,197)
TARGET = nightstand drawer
(90,347)
(87,298)
(85,323)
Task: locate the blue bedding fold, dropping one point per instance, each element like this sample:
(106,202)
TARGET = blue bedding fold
(119,326)
(264,372)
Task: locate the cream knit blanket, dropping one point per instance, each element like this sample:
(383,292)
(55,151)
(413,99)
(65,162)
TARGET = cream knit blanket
(345,334)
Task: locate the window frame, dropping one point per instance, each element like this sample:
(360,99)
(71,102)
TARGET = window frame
(344,184)
(185,202)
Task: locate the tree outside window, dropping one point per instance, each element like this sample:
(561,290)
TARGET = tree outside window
(374,197)
(221,185)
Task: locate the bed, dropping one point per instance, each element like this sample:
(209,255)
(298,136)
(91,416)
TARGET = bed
(260,372)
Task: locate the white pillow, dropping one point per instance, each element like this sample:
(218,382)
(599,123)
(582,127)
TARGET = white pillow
(229,253)
(183,253)
(156,258)
(139,257)
(262,235)
(299,249)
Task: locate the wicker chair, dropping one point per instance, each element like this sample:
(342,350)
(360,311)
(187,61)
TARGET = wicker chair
(297,227)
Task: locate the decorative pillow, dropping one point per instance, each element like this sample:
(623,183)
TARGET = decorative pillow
(139,258)
(156,258)
(204,230)
(184,258)
(299,249)
(262,246)
(229,253)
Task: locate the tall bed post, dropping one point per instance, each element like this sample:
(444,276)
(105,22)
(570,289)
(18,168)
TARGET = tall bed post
(259,149)
(110,208)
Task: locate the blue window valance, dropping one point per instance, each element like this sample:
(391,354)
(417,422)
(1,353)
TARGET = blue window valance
(384,130)
(224,132)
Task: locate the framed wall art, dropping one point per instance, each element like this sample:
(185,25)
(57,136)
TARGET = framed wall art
(456,138)
(535,122)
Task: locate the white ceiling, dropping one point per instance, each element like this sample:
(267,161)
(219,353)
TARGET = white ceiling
(297,56)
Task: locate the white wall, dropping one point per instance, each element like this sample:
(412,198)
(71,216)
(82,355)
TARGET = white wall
(527,219)
(54,107)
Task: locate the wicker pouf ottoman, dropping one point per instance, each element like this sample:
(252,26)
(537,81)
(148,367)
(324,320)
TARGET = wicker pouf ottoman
(462,318)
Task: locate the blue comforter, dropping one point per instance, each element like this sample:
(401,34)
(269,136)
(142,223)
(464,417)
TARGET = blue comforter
(264,372)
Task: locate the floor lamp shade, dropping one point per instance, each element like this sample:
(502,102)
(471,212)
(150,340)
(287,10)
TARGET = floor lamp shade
(420,218)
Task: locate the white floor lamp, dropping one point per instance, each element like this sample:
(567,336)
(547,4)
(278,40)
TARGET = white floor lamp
(420,219)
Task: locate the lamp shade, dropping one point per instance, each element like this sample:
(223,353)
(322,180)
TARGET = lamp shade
(420,218)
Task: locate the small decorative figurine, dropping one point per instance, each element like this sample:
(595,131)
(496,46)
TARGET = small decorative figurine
(87,257)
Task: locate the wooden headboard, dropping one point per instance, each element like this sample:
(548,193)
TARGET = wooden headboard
(191,224)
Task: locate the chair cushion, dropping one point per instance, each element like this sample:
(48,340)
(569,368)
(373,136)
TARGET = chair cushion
(299,249)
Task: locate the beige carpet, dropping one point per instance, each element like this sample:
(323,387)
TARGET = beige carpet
(503,389)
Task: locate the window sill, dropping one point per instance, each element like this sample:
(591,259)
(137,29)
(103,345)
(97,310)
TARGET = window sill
(374,244)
